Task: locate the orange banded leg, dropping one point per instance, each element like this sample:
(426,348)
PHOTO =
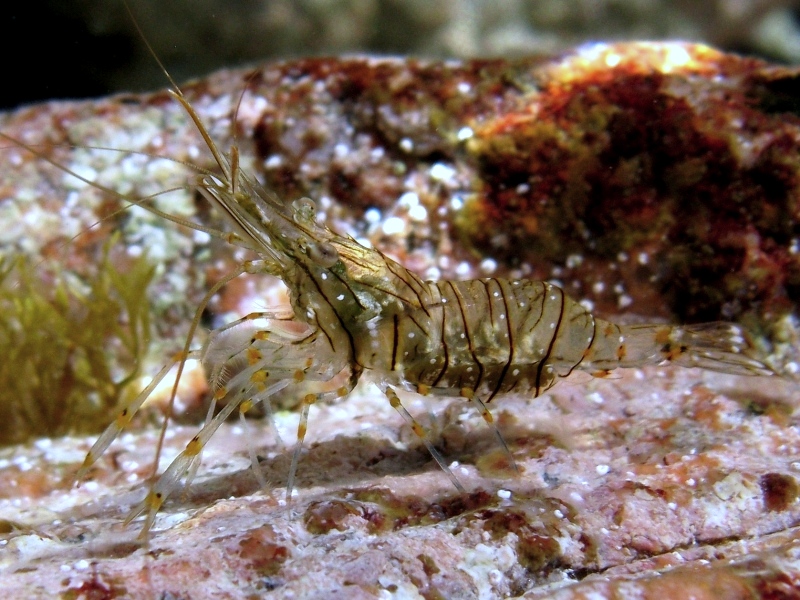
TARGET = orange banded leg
(169,480)
(126,415)
(302,426)
(419,430)
(487,416)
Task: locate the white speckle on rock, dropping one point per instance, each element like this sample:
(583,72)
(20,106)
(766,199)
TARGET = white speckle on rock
(393,226)
(418,213)
(442,172)
(488,266)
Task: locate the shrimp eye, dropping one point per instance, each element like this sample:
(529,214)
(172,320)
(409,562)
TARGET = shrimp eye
(304,209)
(323,253)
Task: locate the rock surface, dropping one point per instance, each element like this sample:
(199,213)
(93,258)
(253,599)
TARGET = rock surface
(647,483)
(643,483)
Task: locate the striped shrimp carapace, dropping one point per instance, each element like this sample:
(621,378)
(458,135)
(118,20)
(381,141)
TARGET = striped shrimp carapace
(354,310)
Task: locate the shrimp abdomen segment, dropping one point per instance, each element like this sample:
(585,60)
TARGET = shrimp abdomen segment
(487,336)
(492,336)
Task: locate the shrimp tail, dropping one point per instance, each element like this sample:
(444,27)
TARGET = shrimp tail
(718,346)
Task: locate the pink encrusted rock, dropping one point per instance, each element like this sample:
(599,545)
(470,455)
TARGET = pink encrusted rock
(645,483)
(622,479)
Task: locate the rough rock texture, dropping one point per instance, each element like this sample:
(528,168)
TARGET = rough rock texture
(643,483)
(623,480)
(637,175)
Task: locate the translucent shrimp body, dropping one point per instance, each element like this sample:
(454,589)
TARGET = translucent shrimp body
(353,309)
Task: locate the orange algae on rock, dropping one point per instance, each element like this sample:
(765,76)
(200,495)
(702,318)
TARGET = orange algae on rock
(669,166)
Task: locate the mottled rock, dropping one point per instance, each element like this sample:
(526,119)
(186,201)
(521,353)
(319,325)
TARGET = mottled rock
(653,178)
(650,474)
(652,481)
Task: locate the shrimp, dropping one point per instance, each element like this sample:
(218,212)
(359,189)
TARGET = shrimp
(353,310)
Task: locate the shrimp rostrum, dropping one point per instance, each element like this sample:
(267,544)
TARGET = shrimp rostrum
(354,310)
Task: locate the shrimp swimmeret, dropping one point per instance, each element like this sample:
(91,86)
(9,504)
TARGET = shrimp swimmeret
(355,310)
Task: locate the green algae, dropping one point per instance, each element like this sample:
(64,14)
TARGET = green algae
(69,350)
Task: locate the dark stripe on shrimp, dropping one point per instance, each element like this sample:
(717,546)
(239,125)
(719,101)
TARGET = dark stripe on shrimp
(330,304)
(467,334)
(349,289)
(485,283)
(444,344)
(552,340)
(400,276)
(510,342)
(394,342)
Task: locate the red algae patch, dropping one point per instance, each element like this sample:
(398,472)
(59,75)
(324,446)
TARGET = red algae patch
(664,169)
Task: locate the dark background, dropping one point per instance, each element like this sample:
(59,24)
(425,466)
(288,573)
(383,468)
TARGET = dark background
(85,48)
